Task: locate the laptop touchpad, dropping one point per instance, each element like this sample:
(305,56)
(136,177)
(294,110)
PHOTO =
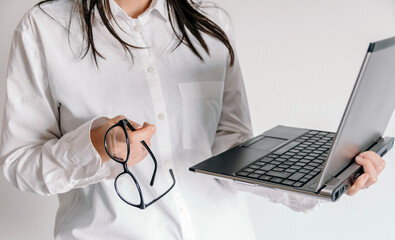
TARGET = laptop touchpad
(268,143)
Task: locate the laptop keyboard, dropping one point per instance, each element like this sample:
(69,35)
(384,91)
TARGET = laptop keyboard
(294,164)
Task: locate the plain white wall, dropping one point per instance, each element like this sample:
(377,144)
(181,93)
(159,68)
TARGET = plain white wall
(300,59)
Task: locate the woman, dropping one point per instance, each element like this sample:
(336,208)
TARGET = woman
(75,65)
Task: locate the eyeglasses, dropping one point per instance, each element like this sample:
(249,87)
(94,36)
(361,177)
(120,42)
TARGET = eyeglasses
(117,146)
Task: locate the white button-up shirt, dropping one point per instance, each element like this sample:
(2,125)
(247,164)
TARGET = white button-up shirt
(199,109)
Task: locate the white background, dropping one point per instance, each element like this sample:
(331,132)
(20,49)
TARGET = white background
(300,59)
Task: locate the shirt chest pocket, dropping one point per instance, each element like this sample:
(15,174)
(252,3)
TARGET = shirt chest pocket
(201,110)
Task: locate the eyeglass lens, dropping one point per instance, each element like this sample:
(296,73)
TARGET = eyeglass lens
(116,143)
(127,189)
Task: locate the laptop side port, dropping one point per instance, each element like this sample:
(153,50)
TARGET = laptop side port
(340,190)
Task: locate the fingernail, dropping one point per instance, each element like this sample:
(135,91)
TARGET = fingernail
(365,177)
(359,159)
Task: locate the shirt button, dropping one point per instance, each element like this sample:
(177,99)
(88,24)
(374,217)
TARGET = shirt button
(137,28)
(161,116)
(182,211)
(151,69)
(167,163)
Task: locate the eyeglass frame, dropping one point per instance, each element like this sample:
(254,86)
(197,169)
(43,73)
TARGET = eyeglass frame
(123,123)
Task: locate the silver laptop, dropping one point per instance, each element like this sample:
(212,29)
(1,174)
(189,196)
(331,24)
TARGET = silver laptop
(313,162)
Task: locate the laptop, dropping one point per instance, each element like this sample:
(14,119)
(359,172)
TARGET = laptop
(313,162)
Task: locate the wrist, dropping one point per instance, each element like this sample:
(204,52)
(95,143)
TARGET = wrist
(97,132)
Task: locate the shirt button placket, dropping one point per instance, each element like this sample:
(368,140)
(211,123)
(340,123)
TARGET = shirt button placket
(164,137)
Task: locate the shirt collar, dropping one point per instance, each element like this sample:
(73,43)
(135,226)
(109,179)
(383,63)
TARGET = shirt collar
(158,6)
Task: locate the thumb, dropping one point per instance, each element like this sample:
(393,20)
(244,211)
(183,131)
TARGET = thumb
(144,133)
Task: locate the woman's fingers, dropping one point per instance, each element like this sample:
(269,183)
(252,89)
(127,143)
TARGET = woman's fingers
(134,124)
(138,154)
(143,134)
(358,184)
(368,168)
(120,117)
(378,162)
(372,165)
(137,158)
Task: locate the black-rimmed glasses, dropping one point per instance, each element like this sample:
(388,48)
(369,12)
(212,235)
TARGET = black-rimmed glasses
(117,145)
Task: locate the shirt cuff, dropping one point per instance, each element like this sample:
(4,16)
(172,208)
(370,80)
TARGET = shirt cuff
(83,154)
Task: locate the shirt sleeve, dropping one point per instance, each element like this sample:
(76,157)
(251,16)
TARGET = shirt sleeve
(34,155)
(235,127)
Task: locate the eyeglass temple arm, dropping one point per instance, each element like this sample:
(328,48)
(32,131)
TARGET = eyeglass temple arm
(168,190)
(149,151)
(155,162)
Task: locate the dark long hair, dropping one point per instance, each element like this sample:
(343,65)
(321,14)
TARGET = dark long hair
(184,15)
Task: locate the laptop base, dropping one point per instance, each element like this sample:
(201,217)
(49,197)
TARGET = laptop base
(276,141)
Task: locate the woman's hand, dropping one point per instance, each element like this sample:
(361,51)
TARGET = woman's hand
(372,164)
(137,150)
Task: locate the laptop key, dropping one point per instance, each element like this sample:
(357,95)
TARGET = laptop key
(254,166)
(294,150)
(289,162)
(265,178)
(310,176)
(290,153)
(254,175)
(243,174)
(313,155)
(288,182)
(304,171)
(283,166)
(278,174)
(296,167)
(304,180)
(281,159)
(298,184)
(293,160)
(275,162)
(313,164)
(266,159)
(260,163)
(278,169)
(290,170)
(309,167)
(276,180)
(296,176)
(248,170)
(268,167)
(260,172)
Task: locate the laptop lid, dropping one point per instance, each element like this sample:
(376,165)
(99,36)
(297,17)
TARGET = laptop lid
(368,111)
